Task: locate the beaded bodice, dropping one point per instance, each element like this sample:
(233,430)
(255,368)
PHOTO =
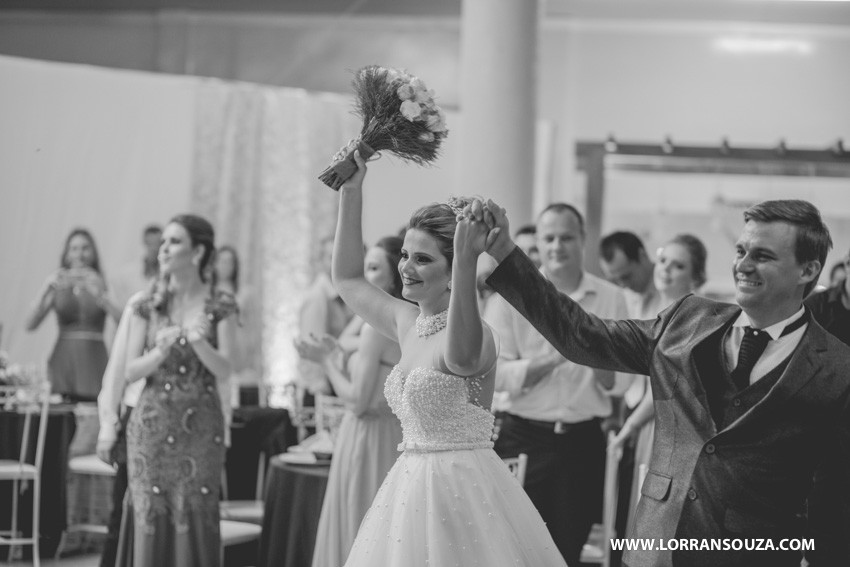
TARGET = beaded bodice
(438,411)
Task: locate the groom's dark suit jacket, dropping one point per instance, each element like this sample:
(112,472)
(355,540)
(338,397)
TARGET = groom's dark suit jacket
(724,464)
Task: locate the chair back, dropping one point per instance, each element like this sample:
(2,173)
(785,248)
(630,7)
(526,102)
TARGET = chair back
(517,466)
(610,497)
(29,400)
(329,413)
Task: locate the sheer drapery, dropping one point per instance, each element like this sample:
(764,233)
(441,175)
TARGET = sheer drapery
(258,152)
(115,150)
(82,146)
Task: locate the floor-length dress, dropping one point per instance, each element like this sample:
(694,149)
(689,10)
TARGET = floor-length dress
(449,499)
(175,454)
(76,365)
(365,450)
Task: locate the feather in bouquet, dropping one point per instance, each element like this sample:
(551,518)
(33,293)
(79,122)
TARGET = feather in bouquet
(399,116)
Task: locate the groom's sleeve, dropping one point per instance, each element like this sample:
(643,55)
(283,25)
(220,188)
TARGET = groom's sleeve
(583,338)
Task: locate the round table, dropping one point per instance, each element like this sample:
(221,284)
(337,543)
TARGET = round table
(293,503)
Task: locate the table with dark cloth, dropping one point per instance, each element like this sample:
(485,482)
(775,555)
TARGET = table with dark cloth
(254,430)
(293,503)
(61,425)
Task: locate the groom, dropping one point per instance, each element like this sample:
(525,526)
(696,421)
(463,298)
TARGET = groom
(751,399)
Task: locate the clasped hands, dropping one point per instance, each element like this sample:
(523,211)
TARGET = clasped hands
(314,348)
(484,227)
(197,330)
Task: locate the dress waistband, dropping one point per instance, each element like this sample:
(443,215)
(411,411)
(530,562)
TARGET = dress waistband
(81,335)
(412,447)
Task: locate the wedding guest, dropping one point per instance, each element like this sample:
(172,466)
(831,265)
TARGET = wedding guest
(555,408)
(526,239)
(179,341)
(625,263)
(117,398)
(837,274)
(752,400)
(321,312)
(77,293)
(679,270)
(247,354)
(366,446)
(139,274)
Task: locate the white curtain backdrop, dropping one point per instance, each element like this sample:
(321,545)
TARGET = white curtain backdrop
(115,150)
(82,146)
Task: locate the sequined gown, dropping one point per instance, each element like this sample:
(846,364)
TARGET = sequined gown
(449,499)
(175,454)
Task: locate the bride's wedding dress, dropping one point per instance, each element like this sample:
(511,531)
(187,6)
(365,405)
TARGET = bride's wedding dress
(449,500)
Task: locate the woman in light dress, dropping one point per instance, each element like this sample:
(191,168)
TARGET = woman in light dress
(449,499)
(679,270)
(366,445)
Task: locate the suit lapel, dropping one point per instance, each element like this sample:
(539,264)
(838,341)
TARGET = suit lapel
(708,325)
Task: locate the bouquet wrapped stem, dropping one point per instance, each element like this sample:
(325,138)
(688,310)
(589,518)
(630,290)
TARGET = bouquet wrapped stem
(341,169)
(399,116)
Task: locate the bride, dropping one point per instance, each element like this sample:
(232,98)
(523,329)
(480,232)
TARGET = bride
(449,499)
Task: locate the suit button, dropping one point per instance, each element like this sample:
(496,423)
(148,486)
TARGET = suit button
(692,494)
(710,448)
(736,402)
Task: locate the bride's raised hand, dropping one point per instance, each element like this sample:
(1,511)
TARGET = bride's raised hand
(356,180)
(470,238)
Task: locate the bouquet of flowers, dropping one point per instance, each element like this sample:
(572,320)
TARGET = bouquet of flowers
(399,116)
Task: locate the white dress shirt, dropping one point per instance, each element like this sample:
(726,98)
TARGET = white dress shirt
(777,350)
(570,393)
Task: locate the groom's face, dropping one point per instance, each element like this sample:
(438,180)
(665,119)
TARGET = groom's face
(769,281)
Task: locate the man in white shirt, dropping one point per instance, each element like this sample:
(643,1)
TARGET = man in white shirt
(554,407)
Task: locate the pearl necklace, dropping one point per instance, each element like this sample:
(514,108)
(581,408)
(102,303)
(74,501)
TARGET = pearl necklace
(427,325)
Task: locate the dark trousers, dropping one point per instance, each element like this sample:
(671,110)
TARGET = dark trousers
(564,477)
(119,487)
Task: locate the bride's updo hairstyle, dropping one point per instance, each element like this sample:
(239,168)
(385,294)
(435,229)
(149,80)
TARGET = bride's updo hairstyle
(440,220)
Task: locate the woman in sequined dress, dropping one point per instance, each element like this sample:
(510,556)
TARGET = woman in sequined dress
(449,499)
(366,445)
(179,341)
(77,293)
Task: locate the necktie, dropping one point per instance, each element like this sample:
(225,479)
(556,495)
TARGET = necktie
(752,347)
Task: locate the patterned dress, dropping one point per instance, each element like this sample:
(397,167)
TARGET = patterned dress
(175,445)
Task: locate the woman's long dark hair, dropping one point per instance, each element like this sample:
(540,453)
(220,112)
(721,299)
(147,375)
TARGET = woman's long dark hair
(391,245)
(201,233)
(234,278)
(63,260)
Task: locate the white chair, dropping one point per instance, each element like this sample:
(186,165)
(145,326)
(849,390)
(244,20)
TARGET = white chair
(250,511)
(598,546)
(517,466)
(86,466)
(234,533)
(26,400)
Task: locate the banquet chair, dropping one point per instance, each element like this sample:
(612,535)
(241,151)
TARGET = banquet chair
(517,466)
(234,533)
(92,467)
(598,546)
(26,400)
(250,511)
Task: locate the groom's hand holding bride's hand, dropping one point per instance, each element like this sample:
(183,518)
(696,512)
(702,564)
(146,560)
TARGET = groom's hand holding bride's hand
(499,243)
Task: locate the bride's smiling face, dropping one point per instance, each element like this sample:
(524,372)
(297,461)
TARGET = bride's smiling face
(425,272)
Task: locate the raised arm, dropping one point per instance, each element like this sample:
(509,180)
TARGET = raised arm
(43,303)
(470,349)
(581,337)
(376,307)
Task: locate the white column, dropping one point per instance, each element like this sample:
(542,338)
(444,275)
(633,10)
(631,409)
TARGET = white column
(498,94)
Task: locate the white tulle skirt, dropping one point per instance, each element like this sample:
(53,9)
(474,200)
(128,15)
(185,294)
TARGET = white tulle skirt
(452,508)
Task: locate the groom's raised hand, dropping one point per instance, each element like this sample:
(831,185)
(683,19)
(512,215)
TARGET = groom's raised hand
(499,243)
